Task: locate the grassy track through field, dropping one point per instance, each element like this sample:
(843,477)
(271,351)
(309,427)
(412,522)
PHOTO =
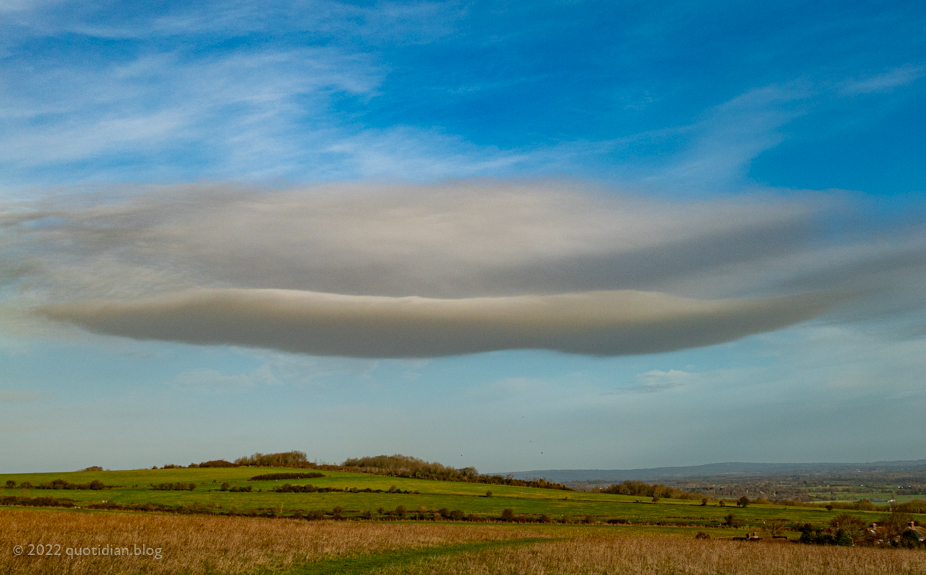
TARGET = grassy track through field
(405,557)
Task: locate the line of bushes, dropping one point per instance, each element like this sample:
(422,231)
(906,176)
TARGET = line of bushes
(36,501)
(277,476)
(174,487)
(96,484)
(309,488)
(236,489)
(640,489)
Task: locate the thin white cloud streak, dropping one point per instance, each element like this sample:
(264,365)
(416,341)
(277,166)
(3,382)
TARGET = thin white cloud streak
(598,323)
(728,138)
(216,381)
(883,82)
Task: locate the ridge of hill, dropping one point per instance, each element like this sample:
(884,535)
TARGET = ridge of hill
(727,469)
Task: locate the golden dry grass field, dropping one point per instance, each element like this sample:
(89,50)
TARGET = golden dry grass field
(238,546)
(195,545)
(655,555)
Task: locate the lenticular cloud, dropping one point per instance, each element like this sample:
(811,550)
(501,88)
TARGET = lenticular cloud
(595,323)
(368,270)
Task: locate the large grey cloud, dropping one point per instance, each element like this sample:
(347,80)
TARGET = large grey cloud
(596,323)
(462,267)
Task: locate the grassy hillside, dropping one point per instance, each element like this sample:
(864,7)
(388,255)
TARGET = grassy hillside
(134,487)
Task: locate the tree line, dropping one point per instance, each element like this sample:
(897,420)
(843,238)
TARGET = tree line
(389,465)
(640,489)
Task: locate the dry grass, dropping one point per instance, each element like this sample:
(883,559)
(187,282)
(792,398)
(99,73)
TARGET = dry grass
(227,545)
(628,555)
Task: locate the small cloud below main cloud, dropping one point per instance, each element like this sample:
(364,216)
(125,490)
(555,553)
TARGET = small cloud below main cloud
(656,380)
(216,381)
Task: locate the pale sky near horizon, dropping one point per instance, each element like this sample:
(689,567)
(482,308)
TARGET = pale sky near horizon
(522,235)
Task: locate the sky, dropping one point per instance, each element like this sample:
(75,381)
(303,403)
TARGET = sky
(509,235)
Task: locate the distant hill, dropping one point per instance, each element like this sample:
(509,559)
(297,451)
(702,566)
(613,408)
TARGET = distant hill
(712,470)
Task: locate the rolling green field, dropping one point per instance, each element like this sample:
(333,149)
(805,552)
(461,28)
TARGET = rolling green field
(134,487)
(208,530)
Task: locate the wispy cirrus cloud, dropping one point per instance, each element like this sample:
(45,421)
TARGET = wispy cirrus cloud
(883,82)
(260,108)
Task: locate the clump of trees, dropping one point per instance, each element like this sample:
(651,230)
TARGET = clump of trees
(174,487)
(411,467)
(640,489)
(91,468)
(915,506)
(818,536)
(277,476)
(217,463)
(285,459)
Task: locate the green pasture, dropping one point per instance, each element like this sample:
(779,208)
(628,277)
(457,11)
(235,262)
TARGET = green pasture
(134,487)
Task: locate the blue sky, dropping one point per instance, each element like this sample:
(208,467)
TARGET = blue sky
(521,235)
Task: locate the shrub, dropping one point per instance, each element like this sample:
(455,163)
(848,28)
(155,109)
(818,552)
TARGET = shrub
(401,511)
(731,521)
(508,515)
(702,535)
(743,502)
(843,539)
(456,515)
(488,494)
(775,527)
(854,527)
(10,484)
(225,486)
(910,539)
